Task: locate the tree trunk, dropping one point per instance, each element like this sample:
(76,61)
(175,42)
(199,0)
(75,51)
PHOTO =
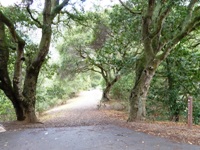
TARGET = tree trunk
(19,111)
(109,85)
(24,108)
(18,106)
(30,114)
(29,93)
(137,100)
(24,99)
(106,91)
(5,82)
(25,111)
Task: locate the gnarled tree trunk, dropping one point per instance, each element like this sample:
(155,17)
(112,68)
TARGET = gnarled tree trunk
(137,100)
(158,43)
(24,99)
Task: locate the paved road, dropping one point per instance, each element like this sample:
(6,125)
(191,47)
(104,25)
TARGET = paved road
(94,135)
(107,137)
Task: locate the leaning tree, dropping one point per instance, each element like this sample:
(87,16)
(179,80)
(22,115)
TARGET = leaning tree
(164,23)
(21,90)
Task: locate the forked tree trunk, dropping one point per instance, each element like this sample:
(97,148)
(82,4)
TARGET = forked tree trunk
(24,99)
(137,100)
(24,105)
(25,110)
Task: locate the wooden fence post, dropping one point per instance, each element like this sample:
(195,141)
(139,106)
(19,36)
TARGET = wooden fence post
(190,107)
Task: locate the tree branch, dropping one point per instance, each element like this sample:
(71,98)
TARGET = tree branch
(127,8)
(20,54)
(38,24)
(104,73)
(195,45)
(92,69)
(147,19)
(188,28)
(160,22)
(75,18)
(80,53)
(191,22)
(58,8)
(189,13)
(191,6)
(117,77)
(11,27)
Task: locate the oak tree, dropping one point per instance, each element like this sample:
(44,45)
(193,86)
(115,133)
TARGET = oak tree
(20,90)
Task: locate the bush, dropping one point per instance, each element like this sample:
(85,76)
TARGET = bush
(7,112)
(57,91)
(196,112)
(121,90)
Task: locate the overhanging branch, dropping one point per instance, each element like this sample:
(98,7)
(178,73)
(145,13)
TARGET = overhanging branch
(38,24)
(129,9)
(11,27)
(187,29)
(191,22)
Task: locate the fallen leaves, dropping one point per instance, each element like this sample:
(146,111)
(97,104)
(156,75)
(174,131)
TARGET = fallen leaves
(178,132)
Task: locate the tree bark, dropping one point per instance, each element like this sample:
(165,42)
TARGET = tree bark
(109,85)
(106,92)
(29,93)
(24,99)
(137,100)
(157,45)
(5,82)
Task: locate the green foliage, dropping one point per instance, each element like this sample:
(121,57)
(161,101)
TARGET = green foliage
(6,110)
(177,77)
(121,90)
(57,91)
(196,111)
(102,44)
